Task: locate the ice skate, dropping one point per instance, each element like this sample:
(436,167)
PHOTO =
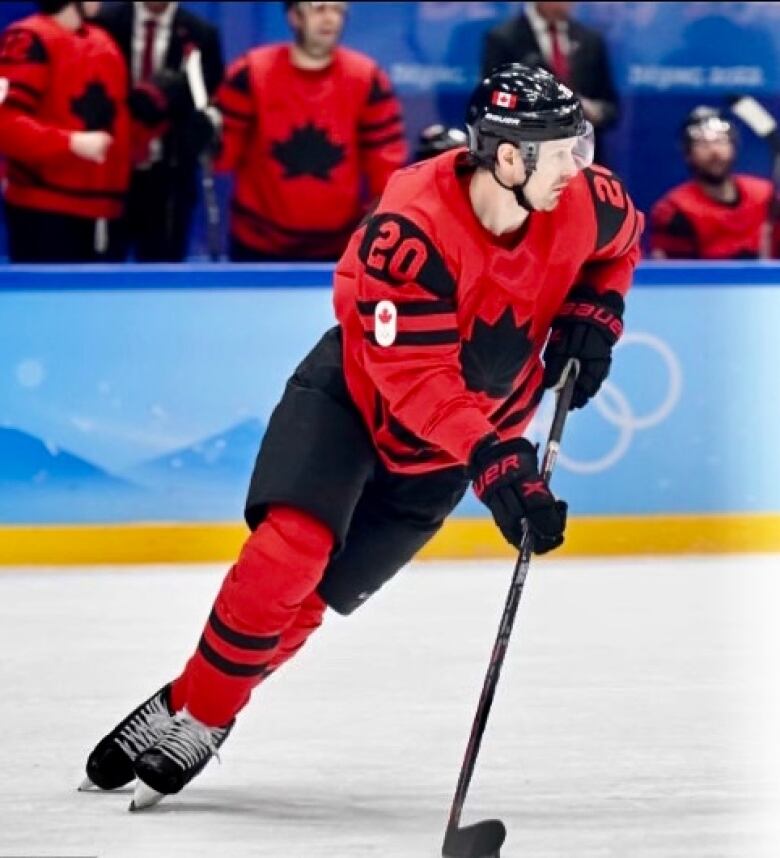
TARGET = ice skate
(175,759)
(110,765)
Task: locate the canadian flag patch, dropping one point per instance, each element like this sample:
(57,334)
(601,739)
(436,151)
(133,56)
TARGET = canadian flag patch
(503,99)
(385,323)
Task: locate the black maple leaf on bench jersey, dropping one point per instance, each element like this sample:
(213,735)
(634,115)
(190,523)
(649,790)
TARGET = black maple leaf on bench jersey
(494,354)
(95,107)
(308,152)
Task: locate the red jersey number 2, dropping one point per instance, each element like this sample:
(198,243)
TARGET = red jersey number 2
(390,253)
(607,189)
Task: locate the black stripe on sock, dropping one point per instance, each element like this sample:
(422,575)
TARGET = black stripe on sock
(253,642)
(231,668)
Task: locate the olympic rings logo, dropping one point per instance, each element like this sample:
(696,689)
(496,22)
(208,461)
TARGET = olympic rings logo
(613,405)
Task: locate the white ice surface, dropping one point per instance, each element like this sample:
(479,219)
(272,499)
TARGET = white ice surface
(638,715)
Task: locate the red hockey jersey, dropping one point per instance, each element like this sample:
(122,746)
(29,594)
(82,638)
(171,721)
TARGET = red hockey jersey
(301,143)
(443,322)
(687,223)
(53,82)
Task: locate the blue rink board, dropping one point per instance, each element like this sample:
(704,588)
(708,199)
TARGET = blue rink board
(140,394)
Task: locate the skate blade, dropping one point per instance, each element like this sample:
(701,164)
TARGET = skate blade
(87,786)
(144,797)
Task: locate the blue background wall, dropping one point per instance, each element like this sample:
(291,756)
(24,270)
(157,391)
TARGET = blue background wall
(666,57)
(142,393)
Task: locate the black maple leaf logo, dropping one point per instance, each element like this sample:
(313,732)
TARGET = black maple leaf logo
(308,152)
(95,107)
(493,356)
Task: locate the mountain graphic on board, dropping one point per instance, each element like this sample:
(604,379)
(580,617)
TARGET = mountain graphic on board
(27,460)
(228,456)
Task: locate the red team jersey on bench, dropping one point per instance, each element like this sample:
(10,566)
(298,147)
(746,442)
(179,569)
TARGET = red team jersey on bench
(53,82)
(301,144)
(687,223)
(443,322)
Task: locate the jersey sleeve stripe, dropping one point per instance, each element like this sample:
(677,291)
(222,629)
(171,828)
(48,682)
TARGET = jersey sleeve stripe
(234,114)
(631,237)
(411,308)
(381,141)
(415,324)
(523,412)
(18,104)
(368,127)
(26,88)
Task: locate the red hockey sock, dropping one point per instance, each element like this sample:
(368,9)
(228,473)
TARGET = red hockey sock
(307,620)
(265,610)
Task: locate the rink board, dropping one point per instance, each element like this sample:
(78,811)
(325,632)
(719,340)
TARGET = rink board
(133,399)
(459,538)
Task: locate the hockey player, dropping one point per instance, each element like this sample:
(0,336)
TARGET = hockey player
(719,214)
(305,127)
(64,128)
(445,298)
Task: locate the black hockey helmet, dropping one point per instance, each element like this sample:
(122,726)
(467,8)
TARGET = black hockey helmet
(436,139)
(524,106)
(706,123)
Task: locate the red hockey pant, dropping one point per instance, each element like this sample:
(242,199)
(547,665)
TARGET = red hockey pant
(265,610)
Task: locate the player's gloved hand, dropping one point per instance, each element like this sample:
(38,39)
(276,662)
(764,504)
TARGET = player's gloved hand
(202,132)
(586,328)
(166,97)
(148,104)
(507,480)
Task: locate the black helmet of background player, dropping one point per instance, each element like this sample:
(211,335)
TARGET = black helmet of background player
(524,106)
(709,141)
(436,139)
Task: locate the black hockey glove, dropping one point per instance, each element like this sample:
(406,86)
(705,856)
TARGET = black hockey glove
(506,479)
(166,97)
(148,104)
(586,328)
(201,133)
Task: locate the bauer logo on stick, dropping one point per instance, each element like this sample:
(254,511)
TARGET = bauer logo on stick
(504,99)
(385,323)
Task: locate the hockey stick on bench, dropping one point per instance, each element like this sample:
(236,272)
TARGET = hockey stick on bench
(193,69)
(761,122)
(484,839)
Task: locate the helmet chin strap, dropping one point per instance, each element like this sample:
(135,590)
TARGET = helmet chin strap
(517,190)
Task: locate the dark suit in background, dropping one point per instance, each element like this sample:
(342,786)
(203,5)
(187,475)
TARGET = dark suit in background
(164,187)
(515,41)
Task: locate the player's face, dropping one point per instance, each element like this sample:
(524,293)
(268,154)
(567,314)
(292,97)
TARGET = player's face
(90,8)
(319,26)
(712,159)
(555,168)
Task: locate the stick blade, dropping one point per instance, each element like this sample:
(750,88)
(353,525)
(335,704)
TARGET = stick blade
(482,840)
(754,115)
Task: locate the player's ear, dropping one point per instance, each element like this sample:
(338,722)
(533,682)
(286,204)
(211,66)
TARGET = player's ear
(507,158)
(294,17)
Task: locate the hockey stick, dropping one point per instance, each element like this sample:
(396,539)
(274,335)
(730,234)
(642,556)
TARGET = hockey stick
(758,119)
(484,839)
(761,122)
(200,98)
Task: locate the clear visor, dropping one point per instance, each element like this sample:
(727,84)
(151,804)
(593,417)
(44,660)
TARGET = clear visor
(562,152)
(710,131)
(584,148)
